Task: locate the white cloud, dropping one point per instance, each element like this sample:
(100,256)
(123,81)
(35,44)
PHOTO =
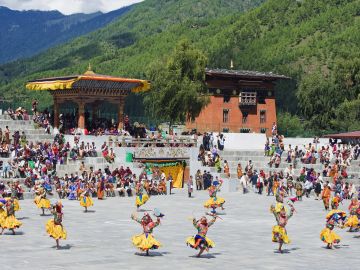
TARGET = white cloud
(68,6)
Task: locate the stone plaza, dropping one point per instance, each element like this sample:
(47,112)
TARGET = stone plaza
(101,238)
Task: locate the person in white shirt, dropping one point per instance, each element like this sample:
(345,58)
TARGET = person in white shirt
(308,187)
(244,183)
(290,171)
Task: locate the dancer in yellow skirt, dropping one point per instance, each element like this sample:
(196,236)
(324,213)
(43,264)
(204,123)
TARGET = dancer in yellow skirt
(327,235)
(279,233)
(41,201)
(141,196)
(146,241)
(353,221)
(10,222)
(214,201)
(54,227)
(2,213)
(200,241)
(85,199)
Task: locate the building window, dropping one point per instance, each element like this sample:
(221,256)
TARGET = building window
(225,115)
(262,116)
(245,130)
(263,130)
(227,98)
(247,98)
(244,117)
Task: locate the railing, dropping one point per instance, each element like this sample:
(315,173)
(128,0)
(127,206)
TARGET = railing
(135,142)
(227,127)
(162,152)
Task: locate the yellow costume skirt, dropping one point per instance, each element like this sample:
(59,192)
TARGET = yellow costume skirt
(55,231)
(42,203)
(214,202)
(10,222)
(145,242)
(140,200)
(204,242)
(352,221)
(2,217)
(86,201)
(279,234)
(329,236)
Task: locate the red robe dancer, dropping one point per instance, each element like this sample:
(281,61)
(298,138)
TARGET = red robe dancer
(146,241)
(200,241)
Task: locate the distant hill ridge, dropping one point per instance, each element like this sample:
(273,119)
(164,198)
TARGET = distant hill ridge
(26,33)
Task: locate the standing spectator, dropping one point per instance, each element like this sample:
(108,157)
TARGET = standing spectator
(34,106)
(317,189)
(170,180)
(308,187)
(254,180)
(244,183)
(7,135)
(190,184)
(221,142)
(199,180)
(239,171)
(226,169)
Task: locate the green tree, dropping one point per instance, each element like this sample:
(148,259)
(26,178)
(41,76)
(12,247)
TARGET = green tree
(289,125)
(348,116)
(178,89)
(316,100)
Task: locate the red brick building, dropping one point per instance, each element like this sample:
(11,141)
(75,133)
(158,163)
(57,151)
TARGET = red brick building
(240,101)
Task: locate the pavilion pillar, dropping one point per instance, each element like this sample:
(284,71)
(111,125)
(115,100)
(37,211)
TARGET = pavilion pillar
(121,106)
(81,110)
(56,113)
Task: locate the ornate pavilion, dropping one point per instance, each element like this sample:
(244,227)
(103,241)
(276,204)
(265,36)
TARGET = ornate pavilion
(89,90)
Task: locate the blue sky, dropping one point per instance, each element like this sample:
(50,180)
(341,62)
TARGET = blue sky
(68,6)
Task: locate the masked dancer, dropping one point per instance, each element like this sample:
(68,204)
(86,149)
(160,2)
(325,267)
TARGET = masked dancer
(214,202)
(54,227)
(146,240)
(41,201)
(85,198)
(353,222)
(200,241)
(282,216)
(9,221)
(327,235)
(141,196)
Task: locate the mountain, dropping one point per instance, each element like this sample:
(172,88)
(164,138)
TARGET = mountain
(107,49)
(295,38)
(26,33)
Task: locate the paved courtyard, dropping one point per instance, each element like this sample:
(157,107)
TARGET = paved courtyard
(102,237)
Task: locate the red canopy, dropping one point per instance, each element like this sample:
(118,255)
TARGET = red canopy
(346,135)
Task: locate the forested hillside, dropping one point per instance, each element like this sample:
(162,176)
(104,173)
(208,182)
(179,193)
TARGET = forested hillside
(316,42)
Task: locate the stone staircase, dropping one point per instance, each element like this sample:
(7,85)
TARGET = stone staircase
(261,162)
(95,162)
(32,133)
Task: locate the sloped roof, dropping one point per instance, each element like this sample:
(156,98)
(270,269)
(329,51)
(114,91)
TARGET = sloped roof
(245,74)
(89,80)
(345,135)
